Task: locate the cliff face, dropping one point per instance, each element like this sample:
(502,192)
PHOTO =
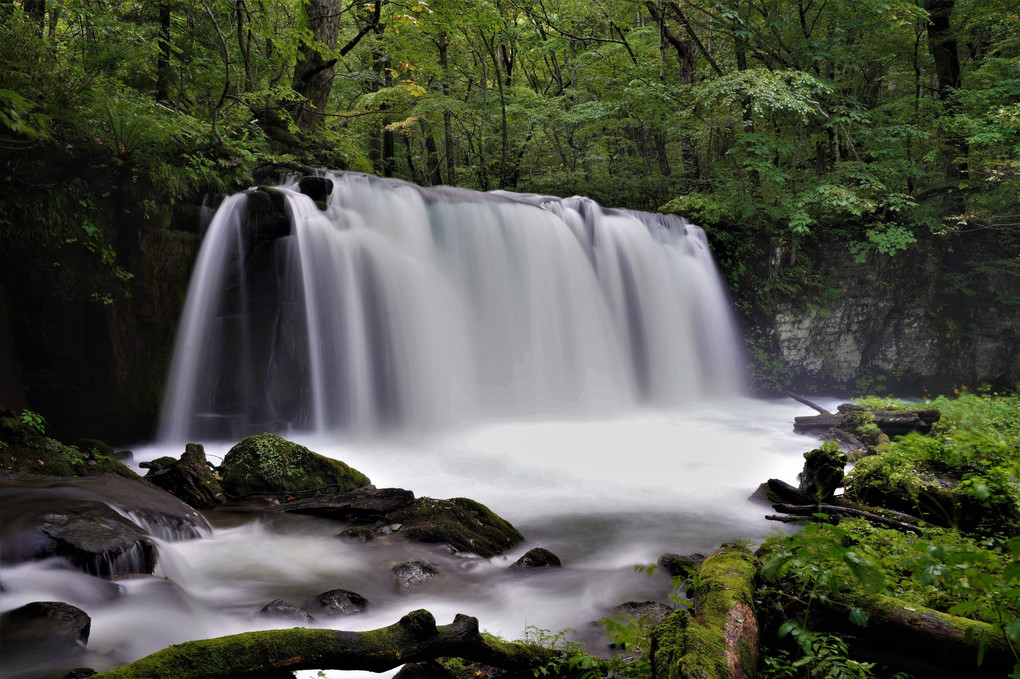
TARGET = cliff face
(943,315)
(87,350)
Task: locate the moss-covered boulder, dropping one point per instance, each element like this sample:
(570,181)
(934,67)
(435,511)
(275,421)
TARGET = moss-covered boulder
(267,463)
(25,450)
(463,524)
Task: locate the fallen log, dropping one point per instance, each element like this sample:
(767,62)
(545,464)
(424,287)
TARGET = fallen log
(902,524)
(902,632)
(809,404)
(890,422)
(279,653)
(720,640)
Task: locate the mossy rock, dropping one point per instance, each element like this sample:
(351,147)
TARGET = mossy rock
(23,450)
(463,524)
(267,463)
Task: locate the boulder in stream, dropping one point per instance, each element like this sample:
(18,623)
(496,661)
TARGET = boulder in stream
(412,574)
(267,463)
(538,557)
(463,524)
(337,602)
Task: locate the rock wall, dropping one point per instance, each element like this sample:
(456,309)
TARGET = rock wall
(88,352)
(942,315)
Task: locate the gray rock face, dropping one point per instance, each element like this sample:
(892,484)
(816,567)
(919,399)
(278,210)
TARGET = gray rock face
(933,317)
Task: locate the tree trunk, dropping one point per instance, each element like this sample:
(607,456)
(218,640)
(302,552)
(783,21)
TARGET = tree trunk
(313,73)
(163,55)
(279,653)
(720,641)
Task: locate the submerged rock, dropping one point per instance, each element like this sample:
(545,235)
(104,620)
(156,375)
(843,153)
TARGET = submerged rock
(538,557)
(278,608)
(357,534)
(267,463)
(337,602)
(189,478)
(412,574)
(681,565)
(463,524)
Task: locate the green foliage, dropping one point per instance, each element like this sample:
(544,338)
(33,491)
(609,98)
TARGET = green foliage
(33,420)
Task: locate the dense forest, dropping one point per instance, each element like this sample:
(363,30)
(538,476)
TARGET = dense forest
(879,116)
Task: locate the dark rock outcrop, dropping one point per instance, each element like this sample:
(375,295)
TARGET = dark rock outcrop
(189,478)
(49,623)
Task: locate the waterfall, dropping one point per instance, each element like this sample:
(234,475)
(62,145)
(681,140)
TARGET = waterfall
(402,306)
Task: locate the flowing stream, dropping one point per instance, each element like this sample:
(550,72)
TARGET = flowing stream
(574,369)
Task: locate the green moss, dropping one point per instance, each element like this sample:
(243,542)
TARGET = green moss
(267,463)
(686,647)
(23,450)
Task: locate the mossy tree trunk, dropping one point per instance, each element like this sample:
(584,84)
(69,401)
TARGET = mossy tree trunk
(279,653)
(720,639)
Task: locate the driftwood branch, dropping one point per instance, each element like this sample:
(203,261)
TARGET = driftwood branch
(809,404)
(279,653)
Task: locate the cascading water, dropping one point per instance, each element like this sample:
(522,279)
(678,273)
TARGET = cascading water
(398,306)
(468,337)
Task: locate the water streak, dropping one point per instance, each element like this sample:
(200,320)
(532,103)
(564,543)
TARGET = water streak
(399,306)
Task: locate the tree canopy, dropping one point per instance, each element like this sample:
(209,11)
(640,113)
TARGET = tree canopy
(877,118)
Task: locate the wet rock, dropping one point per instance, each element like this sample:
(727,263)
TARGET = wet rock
(412,574)
(678,565)
(267,463)
(265,216)
(189,479)
(652,612)
(80,673)
(357,534)
(538,557)
(316,188)
(366,504)
(50,623)
(337,602)
(91,535)
(463,524)
(278,608)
